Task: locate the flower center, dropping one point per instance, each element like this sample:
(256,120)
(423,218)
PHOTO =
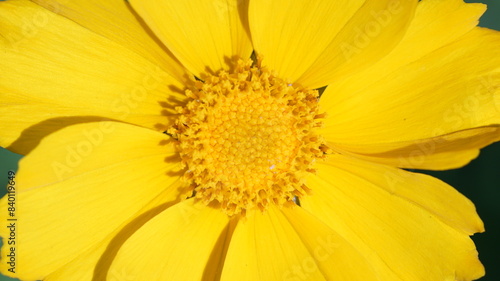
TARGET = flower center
(247,139)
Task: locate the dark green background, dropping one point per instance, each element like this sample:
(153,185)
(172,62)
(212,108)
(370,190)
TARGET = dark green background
(479,181)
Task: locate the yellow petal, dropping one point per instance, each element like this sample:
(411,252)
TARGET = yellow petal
(436,23)
(94,263)
(443,152)
(292,34)
(178,244)
(203,35)
(335,257)
(79,185)
(115,20)
(446,102)
(372,33)
(50,79)
(265,246)
(410,226)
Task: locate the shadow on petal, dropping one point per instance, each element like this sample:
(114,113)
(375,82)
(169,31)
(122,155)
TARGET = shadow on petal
(104,263)
(31,136)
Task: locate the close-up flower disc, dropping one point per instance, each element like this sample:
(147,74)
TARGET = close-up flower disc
(244,140)
(247,139)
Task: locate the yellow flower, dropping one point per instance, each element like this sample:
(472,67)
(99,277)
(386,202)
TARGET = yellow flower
(135,170)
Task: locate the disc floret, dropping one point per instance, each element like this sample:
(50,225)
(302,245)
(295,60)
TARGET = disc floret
(247,139)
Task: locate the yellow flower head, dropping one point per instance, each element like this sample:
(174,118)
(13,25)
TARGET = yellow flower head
(243,139)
